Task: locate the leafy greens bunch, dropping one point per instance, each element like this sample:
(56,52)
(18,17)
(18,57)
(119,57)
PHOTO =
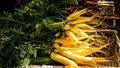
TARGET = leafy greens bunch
(26,35)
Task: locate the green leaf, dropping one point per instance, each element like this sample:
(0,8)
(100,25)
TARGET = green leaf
(41,60)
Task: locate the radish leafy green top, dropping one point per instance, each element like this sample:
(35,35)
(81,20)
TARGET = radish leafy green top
(30,30)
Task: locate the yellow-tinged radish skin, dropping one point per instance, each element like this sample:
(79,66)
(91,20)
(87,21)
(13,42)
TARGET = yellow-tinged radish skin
(61,59)
(67,27)
(76,14)
(66,42)
(78,32)
(84,26)
(71,35)
(93,22)
(85,51)
(57,34)
(55,45)
(58,40)
(82,60)
(80,20)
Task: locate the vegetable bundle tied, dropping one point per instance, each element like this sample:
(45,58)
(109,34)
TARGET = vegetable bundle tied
(74,45)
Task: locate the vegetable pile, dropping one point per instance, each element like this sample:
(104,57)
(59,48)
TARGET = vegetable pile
(26,35)
(79,41)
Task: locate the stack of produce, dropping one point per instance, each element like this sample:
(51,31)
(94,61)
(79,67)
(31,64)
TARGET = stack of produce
(79,41)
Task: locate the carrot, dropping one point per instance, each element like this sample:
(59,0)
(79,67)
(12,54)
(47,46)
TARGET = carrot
(81,60)
(84,26)
(85,51)
(78,32)
(76,14)
(62,59)
(80,19)
(71,35)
